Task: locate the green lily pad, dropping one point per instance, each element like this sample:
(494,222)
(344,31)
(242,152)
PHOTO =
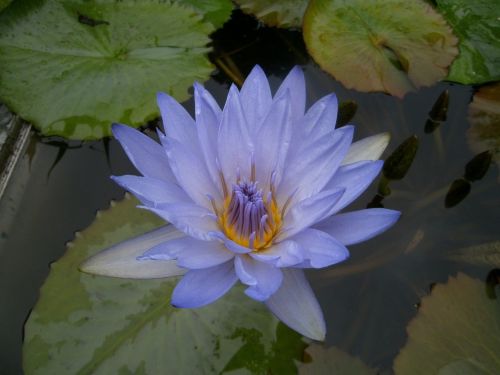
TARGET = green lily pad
(484,117)
(217,12)
(280,13)
(476,24)
(393,46)
(86,324)
(332,361)
(73,68)
(456,331)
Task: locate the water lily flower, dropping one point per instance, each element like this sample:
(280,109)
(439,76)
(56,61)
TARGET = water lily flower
(253,194)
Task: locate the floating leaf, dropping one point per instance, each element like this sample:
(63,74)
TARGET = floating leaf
(393,46)
(399,162)
(484,117)
(280,13)
(333,361)
(458,191)
(86,324)
(456,331)
(476,24)
(486,254)
(217,12)
(347,110)
(74,79)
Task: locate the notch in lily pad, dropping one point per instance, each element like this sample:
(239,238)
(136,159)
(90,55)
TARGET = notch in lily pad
(101,62)
(369,46)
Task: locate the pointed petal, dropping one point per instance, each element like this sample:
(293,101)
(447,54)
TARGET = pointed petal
(234,143)
(309,211)
(231,245)
(191,172)
(355,178)
(255,97)
(312,167)
(273,139)
(201,287)
(147,156)
(120,260)
(208,115)
(264,279)
(283,254)
(370,148)
(358,226)
(177,122)
(189,218)
(295,82)
(295,305)
(151,191)
(191,253)
(320,249)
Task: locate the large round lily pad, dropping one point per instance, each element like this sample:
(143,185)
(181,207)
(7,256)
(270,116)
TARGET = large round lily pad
(456,331)
(73,68)
(476,24)
(393,46)
(279,13)
(86,324)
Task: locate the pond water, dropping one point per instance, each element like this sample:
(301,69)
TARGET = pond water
(367,300)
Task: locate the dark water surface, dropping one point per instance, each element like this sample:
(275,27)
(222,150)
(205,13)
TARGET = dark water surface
(369,299)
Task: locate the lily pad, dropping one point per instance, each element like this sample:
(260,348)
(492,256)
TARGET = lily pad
(393,46)
(456,331)
(280,13)
(86,324)
(217,12)
(73,68)
(332,361)
(4,3)
(476,24)
(484,117)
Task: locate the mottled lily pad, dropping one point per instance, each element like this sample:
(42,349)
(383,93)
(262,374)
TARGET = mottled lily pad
(456,331)
(280,13)
(332,361)
(73,68)
(4,3)
(476,24)
(484,118)
(86,324)
(393,46)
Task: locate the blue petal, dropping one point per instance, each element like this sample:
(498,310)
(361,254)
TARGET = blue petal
(272,140)
(208,115)
(309,169)
(355,178)
(255,97)
(191,253)
(147,156)
(264,279)
(151,191)
(178,124)
(189,218)
(283,254)
(358,226)
(234,143)
(201,287)
(309,211)
(295,305)
(320,249)
(191,172)
(295,83)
